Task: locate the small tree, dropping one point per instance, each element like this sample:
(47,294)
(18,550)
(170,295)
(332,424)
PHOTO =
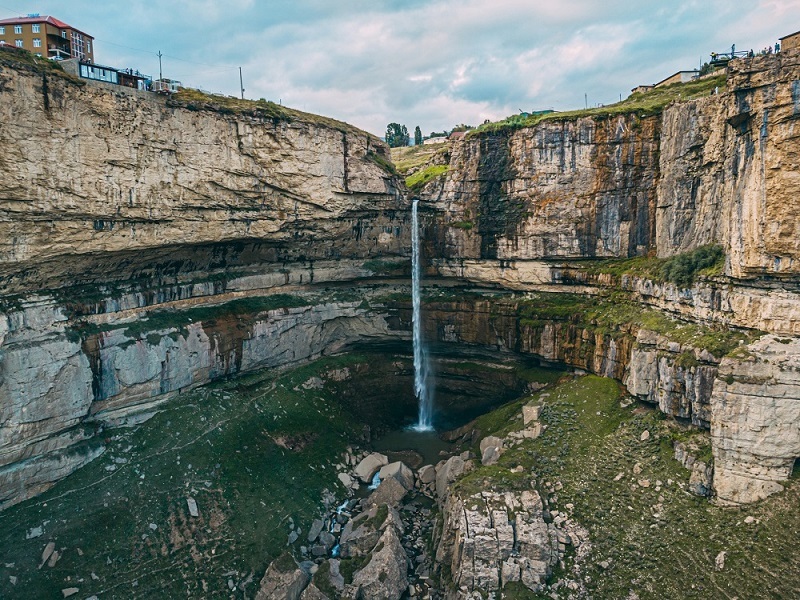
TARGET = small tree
(417,136)
(396,135)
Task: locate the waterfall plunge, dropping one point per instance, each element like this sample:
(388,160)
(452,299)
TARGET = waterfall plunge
(421,368)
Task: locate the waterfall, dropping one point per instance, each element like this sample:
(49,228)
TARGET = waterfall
(421,368)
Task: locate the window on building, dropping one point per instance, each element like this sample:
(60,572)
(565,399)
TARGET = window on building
(37,42)
(2,30)
(36,28)
(88,47)
(64,34)
(17,28)
(18,43)
(78,45)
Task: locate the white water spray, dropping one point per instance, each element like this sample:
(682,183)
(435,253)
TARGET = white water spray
(421,367)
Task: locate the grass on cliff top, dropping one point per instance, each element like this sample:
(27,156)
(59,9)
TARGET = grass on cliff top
(660,541)
(254,452)
(642,104)
(409,158)
(20,58)
(421,178)
(194,99)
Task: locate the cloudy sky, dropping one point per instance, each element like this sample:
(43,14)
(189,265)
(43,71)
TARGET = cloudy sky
(432,63)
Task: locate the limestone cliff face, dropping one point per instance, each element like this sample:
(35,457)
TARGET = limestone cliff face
(127,221)
(123,214)
(95,179)
(718,169)
(678,378)
(755,424)
(728,168)
(58,384)
(561,189)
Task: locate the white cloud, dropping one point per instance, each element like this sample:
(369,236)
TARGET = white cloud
(435,63)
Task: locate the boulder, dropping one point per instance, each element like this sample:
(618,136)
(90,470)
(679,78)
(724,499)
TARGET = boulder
(532,432)
(701,479)
(312,592)
(346,480)
(447,472)
(390,492)
(284,580)
(367,468)
(427,474)
(336,578)
(531,413)
(385,575)
(315,529)
(192,504)
(360,534)
(400,472)
(490,456)
(491,441)
(327,540)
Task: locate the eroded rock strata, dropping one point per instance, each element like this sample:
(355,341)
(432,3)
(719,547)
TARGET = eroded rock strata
(145,240)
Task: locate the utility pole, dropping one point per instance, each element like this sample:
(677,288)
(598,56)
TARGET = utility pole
(241,82)
(586,100)
(160,73)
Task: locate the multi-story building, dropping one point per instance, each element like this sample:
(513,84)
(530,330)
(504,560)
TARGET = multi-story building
(47,36)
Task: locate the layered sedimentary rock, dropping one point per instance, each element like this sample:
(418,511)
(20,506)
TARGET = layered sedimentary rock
(755,426)
(717,169)
(97,179)
(516,206)
(59,384)
(113,203)
(677,377)
(561,189)
(728,170)
(117,208)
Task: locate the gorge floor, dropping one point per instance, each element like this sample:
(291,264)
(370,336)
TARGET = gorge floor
(257,453)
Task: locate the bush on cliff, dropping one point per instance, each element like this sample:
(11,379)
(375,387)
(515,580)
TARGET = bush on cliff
(682,269)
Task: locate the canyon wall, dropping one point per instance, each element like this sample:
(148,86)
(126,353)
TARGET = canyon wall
(99,184)
(717,169)
(150,245)
(521,208)
(141,239)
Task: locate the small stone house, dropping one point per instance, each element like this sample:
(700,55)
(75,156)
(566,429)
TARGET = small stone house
(790,42)
(679,77)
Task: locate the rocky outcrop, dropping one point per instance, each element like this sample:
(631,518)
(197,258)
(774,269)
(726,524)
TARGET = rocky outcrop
(492,538)
(679,380)
(284,580)
(58,387)
(755,409)
(385,575)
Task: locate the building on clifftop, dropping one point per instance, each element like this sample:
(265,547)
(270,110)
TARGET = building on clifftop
(790,42)
(47,36)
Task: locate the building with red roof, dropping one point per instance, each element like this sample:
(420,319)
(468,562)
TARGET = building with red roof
(47,36)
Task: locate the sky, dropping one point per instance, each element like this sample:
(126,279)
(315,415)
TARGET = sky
(429,63)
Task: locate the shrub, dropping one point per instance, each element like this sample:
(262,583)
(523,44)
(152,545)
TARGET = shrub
(682,269)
